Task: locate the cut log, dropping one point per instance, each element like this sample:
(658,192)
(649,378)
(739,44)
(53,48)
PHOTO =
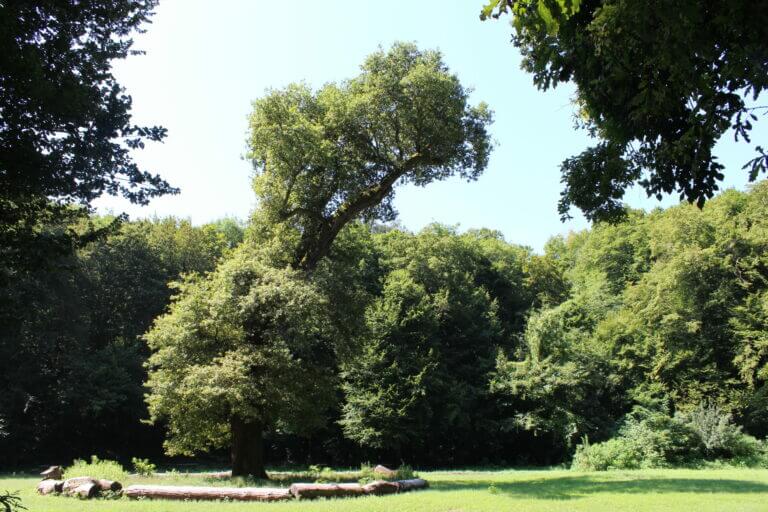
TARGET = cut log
(381,487)
(86,491)
(70,484)
(171,492)
(52,473)
(412,485)
(50,486)
(311,491)
(384,471)
(109,485)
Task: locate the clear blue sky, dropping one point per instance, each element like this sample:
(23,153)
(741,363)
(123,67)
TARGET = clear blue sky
(207,60)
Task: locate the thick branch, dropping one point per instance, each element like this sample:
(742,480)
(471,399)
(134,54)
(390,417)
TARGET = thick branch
(312,251)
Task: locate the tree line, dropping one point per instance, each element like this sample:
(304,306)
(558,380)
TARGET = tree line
(436,348)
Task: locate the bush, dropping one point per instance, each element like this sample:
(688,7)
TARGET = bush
(404,472)
(143,467)
(720,437)
(647,439)
(652,439)
(96,468)
(616,453)
(11,502)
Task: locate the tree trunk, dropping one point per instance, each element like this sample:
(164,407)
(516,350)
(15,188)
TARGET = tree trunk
(247,449)
(172,492)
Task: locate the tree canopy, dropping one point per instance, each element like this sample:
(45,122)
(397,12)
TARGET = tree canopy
(65,123)
(437,347)
(658,84)
(324,158)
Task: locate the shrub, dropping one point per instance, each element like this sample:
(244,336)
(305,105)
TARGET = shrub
(404,472)
(647,439)
(714,426)
(143,467)
(616,453)
(366,474)
(11,502)
(96,468)
(650,439)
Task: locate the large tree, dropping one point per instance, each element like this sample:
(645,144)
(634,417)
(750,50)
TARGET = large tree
(658,84)
(324,158)
(65,123)
(246,350)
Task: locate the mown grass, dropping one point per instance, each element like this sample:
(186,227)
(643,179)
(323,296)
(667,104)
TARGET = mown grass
(742,490)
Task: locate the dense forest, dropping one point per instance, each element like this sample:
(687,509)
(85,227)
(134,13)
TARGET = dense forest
(449,347)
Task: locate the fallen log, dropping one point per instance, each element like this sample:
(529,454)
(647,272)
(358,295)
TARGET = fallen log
(109,485)
(311,491)
(381,487)
(375,488)
(52,473)
(87,491)
(412,484)
(50,486)
(171,492)
(298,491)
(70,484)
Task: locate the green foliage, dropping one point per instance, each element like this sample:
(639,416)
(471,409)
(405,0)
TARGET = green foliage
(79,325)
(11,502)
(66,135)
(325,158)
(658,84)
(143,467)
(367,474)
(431,336)
(324,474)
(654,439)
(251,342)
(254,345)
(96,468)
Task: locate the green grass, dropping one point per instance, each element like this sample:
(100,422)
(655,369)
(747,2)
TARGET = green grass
(742,490)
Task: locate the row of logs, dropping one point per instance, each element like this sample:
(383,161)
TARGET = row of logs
(87,487)
(295,491)
(82,486)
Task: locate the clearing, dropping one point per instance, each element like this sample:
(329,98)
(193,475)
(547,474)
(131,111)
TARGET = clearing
(742,490)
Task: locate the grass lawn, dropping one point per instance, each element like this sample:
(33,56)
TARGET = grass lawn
(553,490)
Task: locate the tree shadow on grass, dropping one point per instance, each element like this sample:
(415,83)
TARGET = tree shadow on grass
(571,487)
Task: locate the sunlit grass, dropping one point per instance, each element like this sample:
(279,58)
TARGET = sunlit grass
(554,490)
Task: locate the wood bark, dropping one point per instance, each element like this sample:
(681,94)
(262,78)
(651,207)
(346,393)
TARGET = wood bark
(53,473)
(50,486)
(71,484)
(314,247)
(298,491)
(311,491)
(90,490)
(381,487)
(376,488)
(247,448)
(207,493)
(412,484)
(109,485)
